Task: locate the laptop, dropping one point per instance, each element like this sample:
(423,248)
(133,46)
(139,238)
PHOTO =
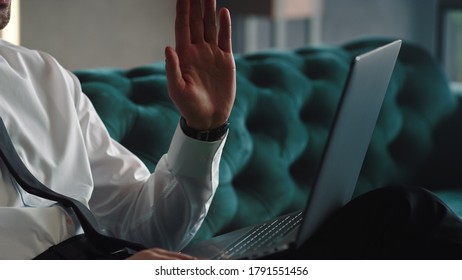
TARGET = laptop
(338,171)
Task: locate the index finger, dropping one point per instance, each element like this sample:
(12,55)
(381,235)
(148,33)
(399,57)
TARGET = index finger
(182,32)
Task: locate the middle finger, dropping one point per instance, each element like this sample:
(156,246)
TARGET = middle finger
(196,23)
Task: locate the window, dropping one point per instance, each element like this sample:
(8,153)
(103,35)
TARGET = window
(452,42)
(449,37)
(262,24)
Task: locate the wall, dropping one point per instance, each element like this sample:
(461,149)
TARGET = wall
(110,33)
(99,33)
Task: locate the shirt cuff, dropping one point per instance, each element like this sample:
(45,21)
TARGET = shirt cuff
(194,158)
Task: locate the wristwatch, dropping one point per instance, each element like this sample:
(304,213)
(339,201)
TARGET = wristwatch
(204,135)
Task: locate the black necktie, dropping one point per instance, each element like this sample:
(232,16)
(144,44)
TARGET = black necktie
(30,184)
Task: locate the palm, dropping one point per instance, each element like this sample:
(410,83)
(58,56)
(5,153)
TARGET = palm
(201,72)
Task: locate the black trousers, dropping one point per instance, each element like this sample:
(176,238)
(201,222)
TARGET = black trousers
(78,248)
(389,223)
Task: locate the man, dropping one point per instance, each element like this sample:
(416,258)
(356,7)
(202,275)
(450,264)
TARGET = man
(63,142)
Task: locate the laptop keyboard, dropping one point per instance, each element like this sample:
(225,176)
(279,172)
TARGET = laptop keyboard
(262,236)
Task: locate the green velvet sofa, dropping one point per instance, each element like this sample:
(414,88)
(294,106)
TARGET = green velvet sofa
(285,103)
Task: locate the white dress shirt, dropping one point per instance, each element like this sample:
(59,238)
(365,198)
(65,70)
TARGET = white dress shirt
(61,139)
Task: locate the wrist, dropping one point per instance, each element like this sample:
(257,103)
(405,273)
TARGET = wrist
(204,135)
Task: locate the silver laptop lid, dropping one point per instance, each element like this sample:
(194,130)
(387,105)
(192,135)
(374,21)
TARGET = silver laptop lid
(350,135)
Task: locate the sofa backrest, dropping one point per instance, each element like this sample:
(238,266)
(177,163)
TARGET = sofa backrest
(284,106)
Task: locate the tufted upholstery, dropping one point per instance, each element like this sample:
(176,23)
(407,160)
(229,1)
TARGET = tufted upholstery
(284,106)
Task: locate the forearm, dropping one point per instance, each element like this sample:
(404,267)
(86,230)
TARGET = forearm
(195,166)
(166,208)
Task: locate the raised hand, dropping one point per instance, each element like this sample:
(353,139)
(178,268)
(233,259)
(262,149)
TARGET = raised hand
(201,71)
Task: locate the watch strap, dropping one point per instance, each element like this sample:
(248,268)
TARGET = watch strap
(204,135)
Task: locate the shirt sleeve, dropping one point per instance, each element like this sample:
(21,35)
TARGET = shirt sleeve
(164,209)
